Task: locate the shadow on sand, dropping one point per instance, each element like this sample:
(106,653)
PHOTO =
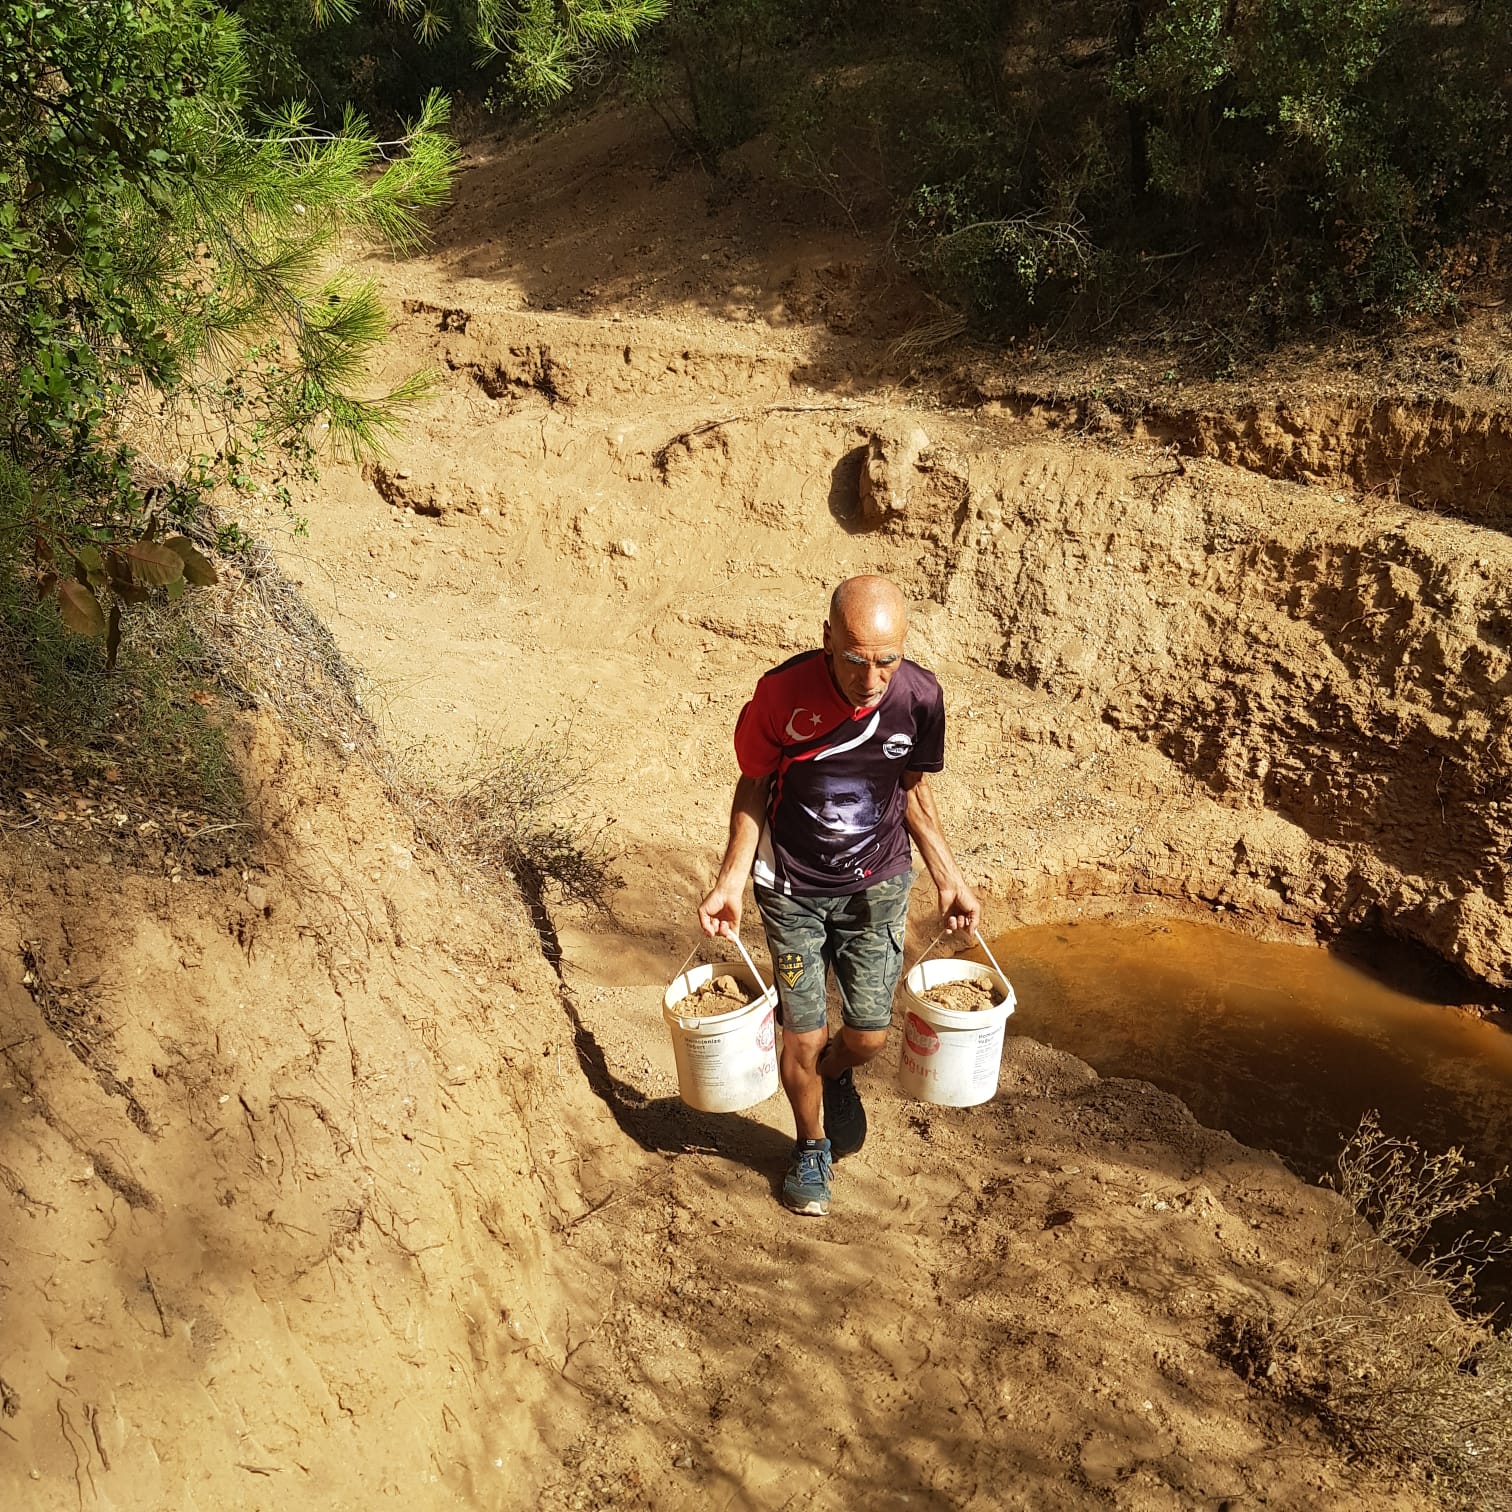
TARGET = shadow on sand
(668,1126)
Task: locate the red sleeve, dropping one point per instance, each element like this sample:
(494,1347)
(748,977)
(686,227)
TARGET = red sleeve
(757,746)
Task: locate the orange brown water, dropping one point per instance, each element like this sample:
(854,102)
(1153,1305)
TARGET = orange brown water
(1285,1046)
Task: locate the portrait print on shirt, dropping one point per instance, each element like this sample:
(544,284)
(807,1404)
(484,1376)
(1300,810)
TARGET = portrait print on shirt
(846,815)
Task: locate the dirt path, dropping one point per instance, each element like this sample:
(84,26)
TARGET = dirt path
(427,1226)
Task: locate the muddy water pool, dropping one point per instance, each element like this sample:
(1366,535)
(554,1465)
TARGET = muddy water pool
(1285,1046)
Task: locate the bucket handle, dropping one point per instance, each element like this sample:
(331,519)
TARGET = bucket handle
(977,934)
(745,956)
(988,950)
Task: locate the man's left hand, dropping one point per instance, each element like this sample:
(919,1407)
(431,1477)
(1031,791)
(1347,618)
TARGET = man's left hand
(959,907)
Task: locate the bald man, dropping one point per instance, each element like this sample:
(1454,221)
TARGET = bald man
(835,750)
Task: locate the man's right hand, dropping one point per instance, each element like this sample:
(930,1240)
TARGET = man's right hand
(719,913)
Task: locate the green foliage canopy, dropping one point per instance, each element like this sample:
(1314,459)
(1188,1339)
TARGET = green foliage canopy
(1055,161)
(1354,137)
(162,269)
(148,237)
(543,46)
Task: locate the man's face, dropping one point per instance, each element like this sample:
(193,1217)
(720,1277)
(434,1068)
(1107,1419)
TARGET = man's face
(862,662)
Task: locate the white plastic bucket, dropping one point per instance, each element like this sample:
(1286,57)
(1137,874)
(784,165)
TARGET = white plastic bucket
(950,1057)
(727,1061)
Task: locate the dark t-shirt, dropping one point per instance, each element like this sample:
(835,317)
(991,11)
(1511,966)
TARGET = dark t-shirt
(834,821)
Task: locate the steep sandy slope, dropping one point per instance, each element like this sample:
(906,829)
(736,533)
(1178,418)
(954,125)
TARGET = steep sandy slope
(285,1155)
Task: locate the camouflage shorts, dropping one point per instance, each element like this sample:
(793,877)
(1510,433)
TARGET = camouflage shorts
(859,937)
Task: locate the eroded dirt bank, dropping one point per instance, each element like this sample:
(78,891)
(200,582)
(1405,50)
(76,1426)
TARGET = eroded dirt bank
(285,1156)
(1448,455)
(1169,679)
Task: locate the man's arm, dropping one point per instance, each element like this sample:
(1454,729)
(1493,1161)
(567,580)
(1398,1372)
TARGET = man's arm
(958,904)
(719,913)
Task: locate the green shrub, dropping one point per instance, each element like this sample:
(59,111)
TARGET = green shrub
(712,71)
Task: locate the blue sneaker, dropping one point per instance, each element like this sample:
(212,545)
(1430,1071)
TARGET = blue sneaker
(844,1116)
(807,1188)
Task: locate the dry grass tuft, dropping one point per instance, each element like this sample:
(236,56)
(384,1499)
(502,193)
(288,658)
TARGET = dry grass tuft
(1385,1348)
(523,814)
(517,815)
(271,650)
(927,338)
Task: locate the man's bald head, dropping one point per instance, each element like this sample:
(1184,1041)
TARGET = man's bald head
(871,606)
(863,637)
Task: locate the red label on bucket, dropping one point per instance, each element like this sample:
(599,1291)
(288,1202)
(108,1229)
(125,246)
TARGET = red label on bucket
(922,1040)
(766,1034)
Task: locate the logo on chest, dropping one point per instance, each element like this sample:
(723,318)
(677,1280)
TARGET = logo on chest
(802,724)
(895,747)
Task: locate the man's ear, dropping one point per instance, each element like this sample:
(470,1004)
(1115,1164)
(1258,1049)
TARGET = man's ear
(827,646)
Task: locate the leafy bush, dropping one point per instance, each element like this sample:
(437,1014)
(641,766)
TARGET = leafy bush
(1007,270)
(1058,162)
(1350,136)
(712,70)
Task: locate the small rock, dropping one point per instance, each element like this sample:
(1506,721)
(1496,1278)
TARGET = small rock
(257,897)
(627,548)
(888,471)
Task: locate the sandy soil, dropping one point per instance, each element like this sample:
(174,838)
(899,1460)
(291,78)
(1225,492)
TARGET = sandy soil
(347,1201)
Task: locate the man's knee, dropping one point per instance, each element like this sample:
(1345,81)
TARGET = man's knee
(803,1049)
(864,1044)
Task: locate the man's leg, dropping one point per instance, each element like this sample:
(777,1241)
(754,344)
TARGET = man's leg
(866,950)
(795,939)
(851,1048)
(799,1068)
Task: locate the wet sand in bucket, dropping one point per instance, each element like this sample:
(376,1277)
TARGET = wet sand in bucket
(965,997)
(723,995)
